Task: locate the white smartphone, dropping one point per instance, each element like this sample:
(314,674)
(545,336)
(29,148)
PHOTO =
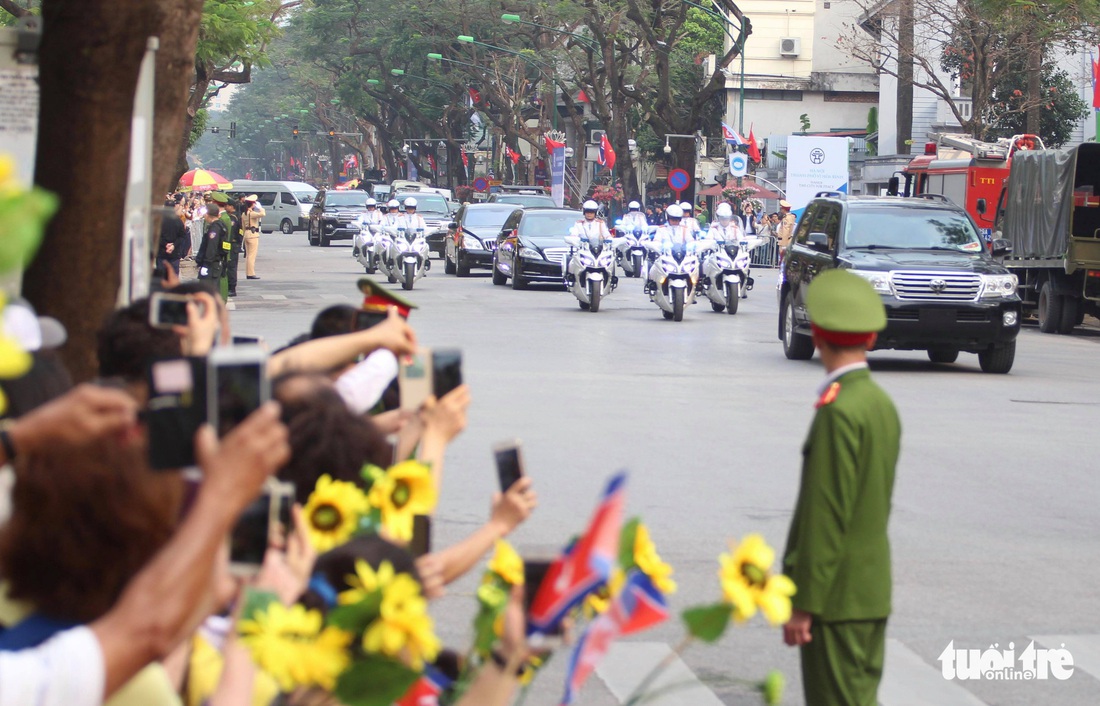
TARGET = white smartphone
(257,527)
(236,385)
(414,379)
(168,310)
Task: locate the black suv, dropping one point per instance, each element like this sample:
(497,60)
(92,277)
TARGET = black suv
(943,292)
(334,214)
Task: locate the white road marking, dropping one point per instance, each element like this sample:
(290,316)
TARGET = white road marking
(1084,648)
(230,306)
(908,680)
(272,296)
(627,663)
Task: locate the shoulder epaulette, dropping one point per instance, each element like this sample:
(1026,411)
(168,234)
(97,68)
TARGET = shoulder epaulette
(828,396)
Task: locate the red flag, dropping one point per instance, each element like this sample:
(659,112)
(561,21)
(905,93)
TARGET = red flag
(475,96)
(431,163)
(1096,83)
(465,160)
(606,157)
(552,145)
(512,154)
(582,97)
(754,150)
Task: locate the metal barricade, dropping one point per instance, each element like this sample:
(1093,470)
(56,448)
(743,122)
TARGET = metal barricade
(767,255)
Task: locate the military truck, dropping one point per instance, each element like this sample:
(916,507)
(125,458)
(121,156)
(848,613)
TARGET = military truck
(1049,212)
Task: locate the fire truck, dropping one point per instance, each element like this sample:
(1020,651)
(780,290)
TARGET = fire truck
(968,171)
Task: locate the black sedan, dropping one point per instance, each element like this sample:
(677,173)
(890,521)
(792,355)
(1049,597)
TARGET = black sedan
(473,235)
(532,246)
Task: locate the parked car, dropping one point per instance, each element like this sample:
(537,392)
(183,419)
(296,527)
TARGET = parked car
(472,236)
(436,212)
(287,203)
(334,214)
(527,199)
(942,290)
(532,246)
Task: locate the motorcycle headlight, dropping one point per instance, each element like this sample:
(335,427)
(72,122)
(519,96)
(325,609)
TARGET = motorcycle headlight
(997,286)
(530,253)
(605,258)
(880,281)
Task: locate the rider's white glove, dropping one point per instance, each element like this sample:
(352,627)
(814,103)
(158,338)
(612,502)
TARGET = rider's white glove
(203,272)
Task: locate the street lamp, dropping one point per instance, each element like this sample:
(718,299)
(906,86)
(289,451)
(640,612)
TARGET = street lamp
(439,57)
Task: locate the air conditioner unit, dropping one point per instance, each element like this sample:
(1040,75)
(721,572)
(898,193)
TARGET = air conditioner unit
(595,135)
(790,46)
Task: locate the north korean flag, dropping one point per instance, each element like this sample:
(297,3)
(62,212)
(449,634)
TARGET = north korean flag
(606,157)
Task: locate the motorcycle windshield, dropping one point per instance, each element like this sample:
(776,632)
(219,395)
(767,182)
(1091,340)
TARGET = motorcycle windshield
(679,251)
(595,244)
(410,235)
(732,251)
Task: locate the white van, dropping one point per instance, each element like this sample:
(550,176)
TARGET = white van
(287,203)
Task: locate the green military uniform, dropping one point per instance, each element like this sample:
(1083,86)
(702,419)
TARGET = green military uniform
(838,552)
(227,245)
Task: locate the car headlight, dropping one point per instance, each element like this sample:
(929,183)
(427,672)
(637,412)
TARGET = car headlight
(530,253)
(997,286)
(470,242)
(880,281)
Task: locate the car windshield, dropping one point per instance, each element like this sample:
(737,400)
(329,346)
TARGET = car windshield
(486,218)
(902,229)
(526,200)
(346,198)
(304,196)
(427,204)
(548,224)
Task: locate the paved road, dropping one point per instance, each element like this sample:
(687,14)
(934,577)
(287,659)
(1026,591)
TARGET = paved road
(995,530)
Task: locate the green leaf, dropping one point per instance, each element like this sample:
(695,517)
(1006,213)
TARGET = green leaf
(256,601)
(708,622)
(23,218)
(357,616)
(374,681)
(484,634)
(626,544)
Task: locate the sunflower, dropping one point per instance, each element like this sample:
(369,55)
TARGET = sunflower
(774,599)
(333,512)
(599,600)
(403,630)
(405,490)
(747,583)
(292,646)
(647,559)
(365,582)
(507,564)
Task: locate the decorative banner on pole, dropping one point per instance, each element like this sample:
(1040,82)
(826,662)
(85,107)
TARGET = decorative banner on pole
(815,164)
(556,149)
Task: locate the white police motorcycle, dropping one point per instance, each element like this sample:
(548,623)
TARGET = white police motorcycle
(364,246)
(674,273)
(589,266)
(630,248)
(383,246)
(726,278)
(408,256)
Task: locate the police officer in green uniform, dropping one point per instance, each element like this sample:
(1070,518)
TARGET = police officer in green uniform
(838,553)
(227,245)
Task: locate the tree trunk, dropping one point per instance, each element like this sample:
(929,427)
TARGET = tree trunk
(1035,98)
(175,63)
(904,118)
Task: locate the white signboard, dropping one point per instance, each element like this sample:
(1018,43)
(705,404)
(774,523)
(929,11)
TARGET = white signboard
(815,164)
(739,164)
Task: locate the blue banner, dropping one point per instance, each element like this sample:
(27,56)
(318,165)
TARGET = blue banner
(557,175)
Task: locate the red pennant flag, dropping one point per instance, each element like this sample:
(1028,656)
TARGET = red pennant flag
(754,149)
(465,160)
(475,96)
(512,154)
(552,145)
(1096,83)
(582,97)
(606,157)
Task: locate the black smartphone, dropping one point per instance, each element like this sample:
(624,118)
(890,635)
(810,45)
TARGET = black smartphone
(168,310)
(175,411)
(421,542)
(237,385)
(446,370)
(245,340)
(509,463)
(252,534)
(367,319)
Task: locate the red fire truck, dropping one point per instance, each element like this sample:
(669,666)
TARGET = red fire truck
(969,172)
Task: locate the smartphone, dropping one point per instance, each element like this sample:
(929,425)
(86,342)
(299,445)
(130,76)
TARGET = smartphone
(168,310)
(236,385)
(421,542)
(246,340)
(251,536)
(446,370)
(366,319)
(414,379)
(175,411)
(509,463)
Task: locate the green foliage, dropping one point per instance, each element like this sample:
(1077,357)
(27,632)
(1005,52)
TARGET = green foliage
(236,30)
(708,622)
(198,127)
(626,544)
(804,119)
(373,680)
(872,129)
(23,218)
(1059,113)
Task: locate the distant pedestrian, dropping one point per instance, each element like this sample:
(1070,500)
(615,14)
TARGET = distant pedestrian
(210,258)
(174,239)
(785,230)
(838,552)
(236,245)
(251,215)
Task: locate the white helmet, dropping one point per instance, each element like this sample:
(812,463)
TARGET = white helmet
(392,203)
(724,210)
(686,206)
(371,202)
(635,206)
(674,211)
(410,202)
(590,205)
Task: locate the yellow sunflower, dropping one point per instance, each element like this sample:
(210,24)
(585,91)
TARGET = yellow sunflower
(747,583)
(333,512)
(774,599)
(507,564)
(292,646)
(7,174)
(402,492)
(599,600)
(647,559)
(365,582)
(403,630)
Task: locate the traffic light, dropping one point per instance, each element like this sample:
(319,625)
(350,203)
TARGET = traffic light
(215,129)
(295,131)
(232,129)
(331,135)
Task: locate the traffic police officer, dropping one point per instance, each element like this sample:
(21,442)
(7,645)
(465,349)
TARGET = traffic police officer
(838,553)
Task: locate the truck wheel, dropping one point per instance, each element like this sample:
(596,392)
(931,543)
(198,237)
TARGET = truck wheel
(796,346)
(943,355)
(1050,309)
(998,359)
(1071,309)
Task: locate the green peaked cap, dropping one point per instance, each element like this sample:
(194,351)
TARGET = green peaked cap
(839,301)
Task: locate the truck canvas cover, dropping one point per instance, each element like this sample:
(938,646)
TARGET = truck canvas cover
(1040,214)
